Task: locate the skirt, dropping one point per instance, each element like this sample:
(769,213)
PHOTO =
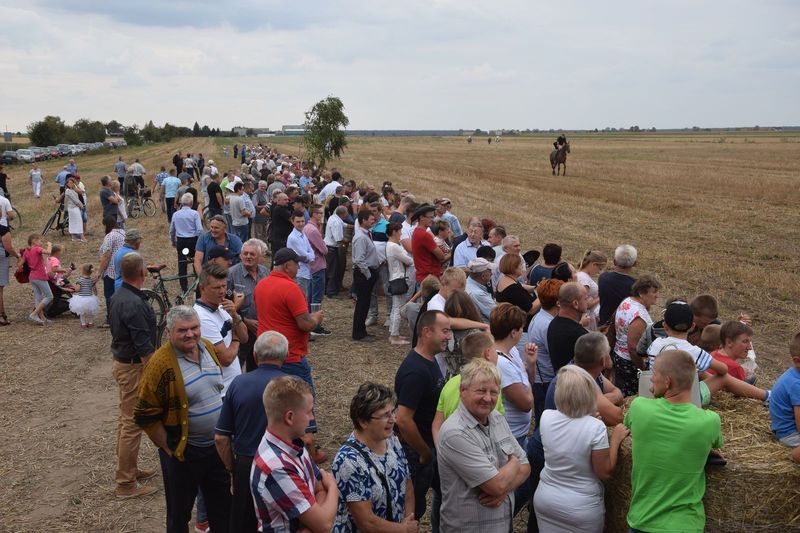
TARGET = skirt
(75,221)
(84,305)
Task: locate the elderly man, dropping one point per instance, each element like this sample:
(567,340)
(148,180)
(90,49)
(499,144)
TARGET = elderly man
(365,273)
(480,462)
(480,274)
(334,240)
(179,404)
(133,339)
(615,285)
(261,202)
(133,239)
(565,329)
(428,257)
(243,420)
(443,211)
(281,307)
(243,278)
(467,250)
(184,229)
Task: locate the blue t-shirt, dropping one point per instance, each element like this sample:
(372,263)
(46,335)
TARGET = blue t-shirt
(232,243)
(379,231)
(784,397)
(171,185)
(243,416)
(538,273)
(61,178)
(122,252)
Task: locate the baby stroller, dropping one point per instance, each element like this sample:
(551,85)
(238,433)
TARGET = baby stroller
(60,303)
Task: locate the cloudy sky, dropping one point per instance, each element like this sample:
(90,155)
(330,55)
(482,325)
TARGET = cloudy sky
(413,64)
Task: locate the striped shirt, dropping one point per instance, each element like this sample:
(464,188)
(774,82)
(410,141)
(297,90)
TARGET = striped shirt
(86,285)
(283,479)
(202,381)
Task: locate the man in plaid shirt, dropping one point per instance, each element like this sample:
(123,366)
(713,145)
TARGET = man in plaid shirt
(290,492)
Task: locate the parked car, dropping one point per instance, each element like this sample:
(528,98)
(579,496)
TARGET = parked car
(54,152)
(26,155)
(74,149)
(39,153)
(64,149)
(9,157)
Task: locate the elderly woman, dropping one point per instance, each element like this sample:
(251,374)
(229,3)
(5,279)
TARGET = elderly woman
(371,470)
(630,322)
(6,250)
(577,456)
(74,206)
(217,235)
(537,334)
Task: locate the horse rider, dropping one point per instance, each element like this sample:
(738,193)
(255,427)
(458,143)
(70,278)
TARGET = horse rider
(561,141)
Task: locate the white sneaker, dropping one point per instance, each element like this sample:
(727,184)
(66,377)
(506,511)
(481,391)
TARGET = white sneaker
(35,319)
(371,321)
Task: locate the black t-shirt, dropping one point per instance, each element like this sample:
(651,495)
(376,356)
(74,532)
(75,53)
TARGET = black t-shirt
(517,295)
(281,225)
(212,189)
(417,384)
(193,192)
(562,334)
(612,288)
(3,185)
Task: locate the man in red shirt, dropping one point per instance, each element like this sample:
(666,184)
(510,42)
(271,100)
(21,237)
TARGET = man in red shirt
(281,306)
(428,257)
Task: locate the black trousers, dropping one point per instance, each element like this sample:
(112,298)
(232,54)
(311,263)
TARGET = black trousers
(246,357)
(243,511)
(363,290)
(201,468)
(183,260)
(170,208)
(332,283)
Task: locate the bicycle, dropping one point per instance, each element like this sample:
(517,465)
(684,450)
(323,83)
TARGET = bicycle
(58,220)
(14,224)
(141,203)
(158,297)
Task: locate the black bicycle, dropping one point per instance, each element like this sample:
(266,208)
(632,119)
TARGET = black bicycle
(15,224)
(58,221)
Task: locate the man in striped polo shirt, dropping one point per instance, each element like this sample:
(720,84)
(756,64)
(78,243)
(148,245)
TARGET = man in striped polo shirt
(289,491)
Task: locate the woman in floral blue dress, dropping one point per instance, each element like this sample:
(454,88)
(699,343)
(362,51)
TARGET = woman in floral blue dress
(371,470)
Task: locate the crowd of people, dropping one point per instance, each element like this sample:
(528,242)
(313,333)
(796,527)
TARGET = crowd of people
(519,363)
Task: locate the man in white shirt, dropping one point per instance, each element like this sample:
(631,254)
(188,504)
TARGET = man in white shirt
(334,235)
(298,242)
(467,250)
(330,188)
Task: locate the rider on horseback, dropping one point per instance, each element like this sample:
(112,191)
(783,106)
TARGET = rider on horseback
(561,141)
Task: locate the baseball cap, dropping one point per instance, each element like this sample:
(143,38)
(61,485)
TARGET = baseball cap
(284,255)
(476,266)
(133,234)
(678,316)
(218,251)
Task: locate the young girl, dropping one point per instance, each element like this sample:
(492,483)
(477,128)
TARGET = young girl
(55,270)
(441,234)
(591,265)
(85,303)
(35,257)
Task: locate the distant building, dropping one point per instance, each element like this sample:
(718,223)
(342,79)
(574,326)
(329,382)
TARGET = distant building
(293,130)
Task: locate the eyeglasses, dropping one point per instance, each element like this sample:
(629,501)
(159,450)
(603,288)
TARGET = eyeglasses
(387,416)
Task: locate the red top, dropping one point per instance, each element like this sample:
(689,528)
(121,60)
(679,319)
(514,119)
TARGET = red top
(278,301)
(422,247)
(33,256)
(734,369)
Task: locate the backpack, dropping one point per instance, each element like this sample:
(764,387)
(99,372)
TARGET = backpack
(23,268)
(453,356)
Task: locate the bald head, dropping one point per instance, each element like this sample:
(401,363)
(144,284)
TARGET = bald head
(569,292)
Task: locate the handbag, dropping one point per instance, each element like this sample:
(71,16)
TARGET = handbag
(398,286)
(23,270)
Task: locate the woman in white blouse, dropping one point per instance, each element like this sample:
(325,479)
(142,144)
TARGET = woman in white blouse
(398,260)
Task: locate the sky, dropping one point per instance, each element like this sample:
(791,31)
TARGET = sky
(413,64)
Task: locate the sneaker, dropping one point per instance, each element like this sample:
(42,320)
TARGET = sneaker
(143,475)
(35,319)
(398,341)
(202,527)
(134,491)
(321,331)
(371,321)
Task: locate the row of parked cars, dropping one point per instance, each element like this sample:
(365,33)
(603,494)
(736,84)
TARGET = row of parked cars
(36,153)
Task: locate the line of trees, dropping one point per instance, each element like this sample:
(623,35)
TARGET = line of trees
(52,130)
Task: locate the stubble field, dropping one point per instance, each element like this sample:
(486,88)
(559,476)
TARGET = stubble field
(707,213)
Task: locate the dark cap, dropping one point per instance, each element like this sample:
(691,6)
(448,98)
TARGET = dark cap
(218,251)
(678,316)
(422,210)
(284,255)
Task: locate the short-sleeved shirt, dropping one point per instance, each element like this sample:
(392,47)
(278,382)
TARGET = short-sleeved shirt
(470,454)
(117,260)
(242,416)
(202,381)
(562,334)
(612,288)
(33,256)
(238,275)
(359,481)
(232,242)
(278,301)
(734,369)
(785,396)
(109,209)
(512,371)
(283,482)
(670,445)
(539,273)
(450,397)
(216,326)
(537,334)
(417,383)
(702,359)
(212,190)
(422,247)
(113,241)
(171,185)
(481,297)
(628,311)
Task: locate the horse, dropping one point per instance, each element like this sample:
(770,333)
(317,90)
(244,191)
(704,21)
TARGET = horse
(558,158)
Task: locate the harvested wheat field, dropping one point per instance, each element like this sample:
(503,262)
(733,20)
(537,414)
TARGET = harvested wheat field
(707,213)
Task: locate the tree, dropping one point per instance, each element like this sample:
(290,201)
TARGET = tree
(88,131)
(205,131)
(196,130)
(151,133)
(114,127)
(47,132)
(132,136)
(324,137)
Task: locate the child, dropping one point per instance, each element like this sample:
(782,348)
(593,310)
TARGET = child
(442,234)
(709,339)
(34,256)
(735,337)
(678,318)
(784,406)
(85,303)
(705,311)
(54,269)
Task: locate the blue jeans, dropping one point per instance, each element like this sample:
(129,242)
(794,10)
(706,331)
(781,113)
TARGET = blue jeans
(317,286)
(241,232)
(202,514)
(108,292)
(302,370)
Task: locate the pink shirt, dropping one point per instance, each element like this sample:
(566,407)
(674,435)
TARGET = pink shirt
(318,244)
(54,263)
(33,256)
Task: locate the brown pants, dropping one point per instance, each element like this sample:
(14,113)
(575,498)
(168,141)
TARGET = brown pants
(129,435)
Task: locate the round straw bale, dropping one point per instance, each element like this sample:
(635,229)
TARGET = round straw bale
(758,490)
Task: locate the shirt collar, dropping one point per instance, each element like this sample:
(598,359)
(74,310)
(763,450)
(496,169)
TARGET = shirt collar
(133,289)
(295,448)
(467,417)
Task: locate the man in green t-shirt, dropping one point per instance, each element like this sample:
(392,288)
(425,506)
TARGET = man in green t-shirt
(671,439)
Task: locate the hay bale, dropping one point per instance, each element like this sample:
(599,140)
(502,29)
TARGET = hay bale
(758,490)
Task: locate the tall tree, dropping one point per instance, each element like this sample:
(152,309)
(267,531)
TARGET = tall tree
(47,132)
(151,133)
(132,136)
(325,137)
(196,130)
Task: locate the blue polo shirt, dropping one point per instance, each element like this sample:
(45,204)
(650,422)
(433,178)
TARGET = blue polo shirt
(232,242)
(61,178)
(243,417)
(171,185)
(118,255)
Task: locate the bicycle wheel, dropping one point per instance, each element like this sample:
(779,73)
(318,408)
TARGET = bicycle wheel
(133,208)
(149,207)
(64,226)
(50,223)
(157,304)
(16,223)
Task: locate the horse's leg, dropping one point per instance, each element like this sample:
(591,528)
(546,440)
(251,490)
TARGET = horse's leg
(565,167)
